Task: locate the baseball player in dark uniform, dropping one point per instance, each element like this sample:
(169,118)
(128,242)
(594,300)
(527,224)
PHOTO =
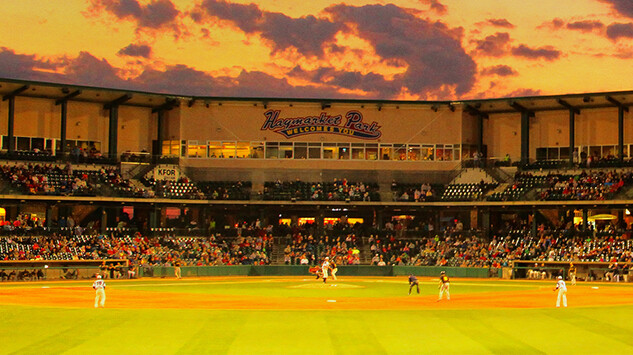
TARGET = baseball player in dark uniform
(413,281)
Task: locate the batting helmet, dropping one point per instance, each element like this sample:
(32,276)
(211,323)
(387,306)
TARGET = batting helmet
(560,277)
(98,276)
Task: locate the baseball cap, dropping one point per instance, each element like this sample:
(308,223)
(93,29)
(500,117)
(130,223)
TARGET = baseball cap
(560,277)
(98,276)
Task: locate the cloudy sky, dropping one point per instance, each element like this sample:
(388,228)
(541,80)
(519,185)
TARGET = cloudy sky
(403,49)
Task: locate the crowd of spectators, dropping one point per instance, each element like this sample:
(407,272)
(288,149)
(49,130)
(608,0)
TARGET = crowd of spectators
(592,185)
(414,192)
(142,250)
(337,190)
(310,250)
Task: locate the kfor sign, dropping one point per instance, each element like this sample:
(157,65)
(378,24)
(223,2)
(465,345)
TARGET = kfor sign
(166,173)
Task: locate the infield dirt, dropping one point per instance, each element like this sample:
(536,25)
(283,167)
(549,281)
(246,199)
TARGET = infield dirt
(83,297)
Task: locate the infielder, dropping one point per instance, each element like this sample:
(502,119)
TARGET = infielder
(413,281)
(562,292)
(177,271)
(572,274)
(325,267)
(444,286)
(100,297)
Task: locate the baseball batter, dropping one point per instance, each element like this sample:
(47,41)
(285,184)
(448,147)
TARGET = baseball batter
(444,286)
(562,292)
(325,267)
(100,297)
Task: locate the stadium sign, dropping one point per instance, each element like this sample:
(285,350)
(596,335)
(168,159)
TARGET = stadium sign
(166,173)
(351,125)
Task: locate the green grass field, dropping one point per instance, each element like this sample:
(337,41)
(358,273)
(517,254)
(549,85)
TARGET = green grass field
(46,329)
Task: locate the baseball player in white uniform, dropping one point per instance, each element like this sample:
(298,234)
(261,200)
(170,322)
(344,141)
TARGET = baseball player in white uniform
(100,297)
(562,292)
(325,267)
(444,286)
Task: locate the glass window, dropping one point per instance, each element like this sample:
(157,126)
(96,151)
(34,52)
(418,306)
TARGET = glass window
(385,151)
(427,152)
(610,151)
(595,151)
(400,151)
(314,150)
(371,151)
(242,150)
(215,149)
(272,150)
(358,151)
(439,152)
(456,152)
(564,153)
(37,143)
(229,149)
(413,153)
(194,150)
(169,147)
(285,150)
(448,152)
(552,153)
(24,143)
(301,150)
(343,151)
(257,150)
(541,153)
(330,151)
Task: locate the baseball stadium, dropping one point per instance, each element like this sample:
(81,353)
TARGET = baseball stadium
(231,225)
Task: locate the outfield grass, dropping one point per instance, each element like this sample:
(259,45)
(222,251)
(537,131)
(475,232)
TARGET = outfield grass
(58,330)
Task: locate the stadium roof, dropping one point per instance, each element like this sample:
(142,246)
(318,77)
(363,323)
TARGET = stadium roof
(105,96)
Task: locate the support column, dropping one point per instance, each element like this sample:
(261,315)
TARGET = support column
(585,216)
(49,216)
(572,136)
(104,220)
(113,131)
(534,224)
(485,223)
(160,135)
(11,121)
(153,218)
(525,137)
(621,133)
(480,133)
(63,127)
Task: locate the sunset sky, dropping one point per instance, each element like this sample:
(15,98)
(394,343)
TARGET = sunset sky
(404,50)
